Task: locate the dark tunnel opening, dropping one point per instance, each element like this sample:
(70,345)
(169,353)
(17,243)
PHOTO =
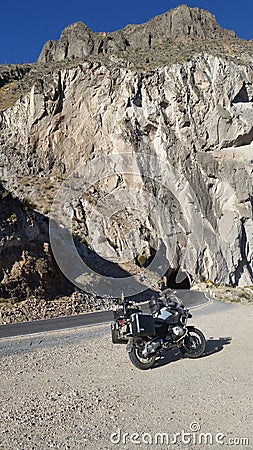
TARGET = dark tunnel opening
(178,279)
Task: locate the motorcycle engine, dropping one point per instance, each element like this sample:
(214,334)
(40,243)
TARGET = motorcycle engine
(178,331)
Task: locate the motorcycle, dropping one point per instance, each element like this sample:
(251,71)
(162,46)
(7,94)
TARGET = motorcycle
(148,336)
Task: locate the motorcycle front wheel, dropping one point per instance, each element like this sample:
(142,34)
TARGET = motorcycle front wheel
(138,361)
(194,343)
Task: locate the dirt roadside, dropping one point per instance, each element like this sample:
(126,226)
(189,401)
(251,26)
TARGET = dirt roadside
(74,389)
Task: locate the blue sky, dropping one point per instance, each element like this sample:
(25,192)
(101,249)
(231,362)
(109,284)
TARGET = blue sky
(26,25)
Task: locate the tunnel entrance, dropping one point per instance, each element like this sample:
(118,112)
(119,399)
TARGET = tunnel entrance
(178,279)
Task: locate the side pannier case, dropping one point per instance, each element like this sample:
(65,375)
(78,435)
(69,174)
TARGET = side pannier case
(116,337)
(142,325)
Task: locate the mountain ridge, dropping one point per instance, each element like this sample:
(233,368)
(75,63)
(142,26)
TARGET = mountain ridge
(78,40)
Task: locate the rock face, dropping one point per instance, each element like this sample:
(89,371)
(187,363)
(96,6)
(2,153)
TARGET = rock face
(10,73)
(188,128)
(27,266)
(78,41)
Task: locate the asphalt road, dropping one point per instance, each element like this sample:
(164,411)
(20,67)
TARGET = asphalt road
(189,298)
(75,389)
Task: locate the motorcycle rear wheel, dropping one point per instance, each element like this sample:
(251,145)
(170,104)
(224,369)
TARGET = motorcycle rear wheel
(194,343)
(138,361)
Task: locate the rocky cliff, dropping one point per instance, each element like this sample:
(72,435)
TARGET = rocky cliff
(181,106)
(177,25)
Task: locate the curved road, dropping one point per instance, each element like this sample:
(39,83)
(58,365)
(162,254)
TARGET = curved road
(189,298)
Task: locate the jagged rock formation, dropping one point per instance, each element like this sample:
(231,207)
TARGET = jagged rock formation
(171,37)
(195,117)
(78,41)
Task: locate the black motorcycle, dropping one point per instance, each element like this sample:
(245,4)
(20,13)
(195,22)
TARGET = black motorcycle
(149,335)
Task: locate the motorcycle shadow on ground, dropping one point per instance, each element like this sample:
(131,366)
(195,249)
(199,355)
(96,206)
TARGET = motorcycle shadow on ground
(212,346)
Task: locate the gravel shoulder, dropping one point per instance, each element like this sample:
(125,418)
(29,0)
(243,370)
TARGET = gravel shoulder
(74,389)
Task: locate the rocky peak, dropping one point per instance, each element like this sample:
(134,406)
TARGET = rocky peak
(178,24)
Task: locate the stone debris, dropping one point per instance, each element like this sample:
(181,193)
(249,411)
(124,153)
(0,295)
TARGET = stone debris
(35,309)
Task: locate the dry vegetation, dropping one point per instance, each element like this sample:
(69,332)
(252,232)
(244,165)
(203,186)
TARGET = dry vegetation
(227,293)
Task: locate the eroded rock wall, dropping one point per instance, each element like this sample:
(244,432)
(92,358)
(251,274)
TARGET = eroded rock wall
(196,119)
